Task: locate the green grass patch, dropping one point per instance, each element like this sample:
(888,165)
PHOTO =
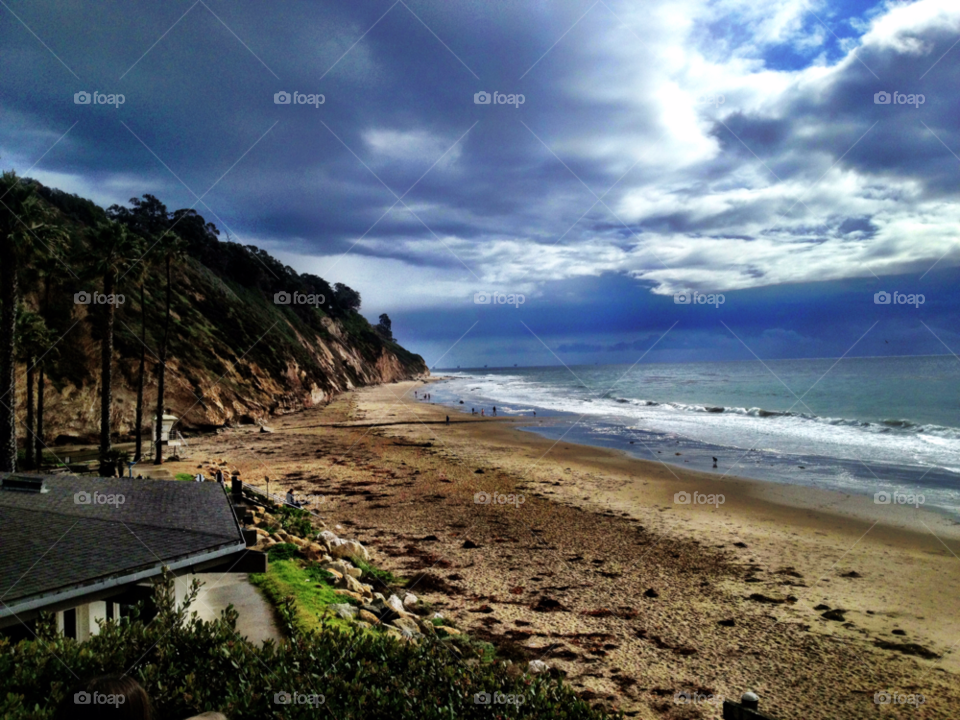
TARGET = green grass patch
(283,551)
(184,477)
(311,592)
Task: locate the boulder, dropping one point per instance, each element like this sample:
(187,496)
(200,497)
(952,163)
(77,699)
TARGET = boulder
(444,630)
(329,539)
(348,549)
(351,584)
(395,604)
(368,617)
(406,626)
(343,610)
(536,667)
(410,600)
(347,593)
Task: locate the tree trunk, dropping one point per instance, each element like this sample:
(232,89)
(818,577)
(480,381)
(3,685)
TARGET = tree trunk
(8,389)
(28,444)
(107,468)
(161,372)
(138,423)
(38,436)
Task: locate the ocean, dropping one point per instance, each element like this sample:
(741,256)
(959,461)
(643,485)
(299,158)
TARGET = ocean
(887,427)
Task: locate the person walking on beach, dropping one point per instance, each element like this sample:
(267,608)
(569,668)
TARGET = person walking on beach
(494,410)
(481,412)
(448,419)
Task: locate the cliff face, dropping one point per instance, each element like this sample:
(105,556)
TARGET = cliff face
(235,353)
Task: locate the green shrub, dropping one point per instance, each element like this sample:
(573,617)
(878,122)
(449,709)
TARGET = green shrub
(283,551)
(184,477)
(189,666)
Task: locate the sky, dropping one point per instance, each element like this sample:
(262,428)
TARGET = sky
(777,165)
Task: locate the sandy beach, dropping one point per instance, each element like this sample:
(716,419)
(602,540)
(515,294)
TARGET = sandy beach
(600,573)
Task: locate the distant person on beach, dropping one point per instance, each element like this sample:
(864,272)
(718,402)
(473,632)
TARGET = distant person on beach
(473,411)
(494,409)
(291,500)
(448,419)
(135,706)
(481,412)
(220,476)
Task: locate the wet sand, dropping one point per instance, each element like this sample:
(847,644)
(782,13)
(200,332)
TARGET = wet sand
(601,574)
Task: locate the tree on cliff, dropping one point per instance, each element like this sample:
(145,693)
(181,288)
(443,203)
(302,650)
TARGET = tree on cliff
(114,248)
(28,232)
(346,297)
(384,327)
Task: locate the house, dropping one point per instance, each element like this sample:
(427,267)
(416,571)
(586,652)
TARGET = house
(87,548)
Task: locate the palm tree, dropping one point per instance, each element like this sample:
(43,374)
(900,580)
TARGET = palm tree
(138,274)
(27,229)
(172,248)
(34,338)
(114,246)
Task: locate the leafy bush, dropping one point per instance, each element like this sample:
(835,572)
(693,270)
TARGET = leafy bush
(184,477)
(188,666)
(296,522)
(283,551)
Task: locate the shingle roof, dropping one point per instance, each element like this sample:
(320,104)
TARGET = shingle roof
(52,541)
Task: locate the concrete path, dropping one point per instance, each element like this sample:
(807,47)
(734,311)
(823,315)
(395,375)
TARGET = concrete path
(256,621)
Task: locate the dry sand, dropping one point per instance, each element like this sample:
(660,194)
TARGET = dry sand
(602,575)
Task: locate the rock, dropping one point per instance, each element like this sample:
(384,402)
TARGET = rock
(337,576)
(852,574)
(821,606)
(369,617)
(651,593)
(834,615)
(344,611)
(898,631)
(395,604)
(536,667)
(726,623)
(380,597)
(407,625)
(265,429)
(329,539)
(350,594)
(469,545)
(351,584)
(410,600)
(349,548)
(547,604)
(380,610)
(436,616)
(393,632)
(444,630)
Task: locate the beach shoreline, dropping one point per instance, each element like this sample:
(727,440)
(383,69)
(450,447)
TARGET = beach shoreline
(763,560)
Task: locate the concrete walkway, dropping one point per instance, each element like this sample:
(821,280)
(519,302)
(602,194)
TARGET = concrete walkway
(256,621)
